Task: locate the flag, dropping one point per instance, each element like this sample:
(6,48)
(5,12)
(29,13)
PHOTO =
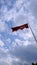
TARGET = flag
(19,27)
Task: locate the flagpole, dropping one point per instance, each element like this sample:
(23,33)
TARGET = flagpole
(33,34)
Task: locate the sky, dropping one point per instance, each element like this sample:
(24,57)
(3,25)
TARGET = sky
(18,48)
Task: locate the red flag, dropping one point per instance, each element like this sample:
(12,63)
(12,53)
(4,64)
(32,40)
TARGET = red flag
(19,27)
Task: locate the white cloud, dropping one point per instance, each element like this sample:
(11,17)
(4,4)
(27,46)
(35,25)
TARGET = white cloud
(0,35)
(25,51)
(18,3)
(8,40)
(20,43)
(20,19)
(26,43)
(14,45)
(3,26)
(5,56)
(4,50)
(7,15)
(33,7)
(25,34)
(1,43)
(8,60)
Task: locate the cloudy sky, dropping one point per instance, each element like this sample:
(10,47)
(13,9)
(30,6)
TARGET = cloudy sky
(18,48)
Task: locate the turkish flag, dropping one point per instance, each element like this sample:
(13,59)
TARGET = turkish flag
(19,27)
